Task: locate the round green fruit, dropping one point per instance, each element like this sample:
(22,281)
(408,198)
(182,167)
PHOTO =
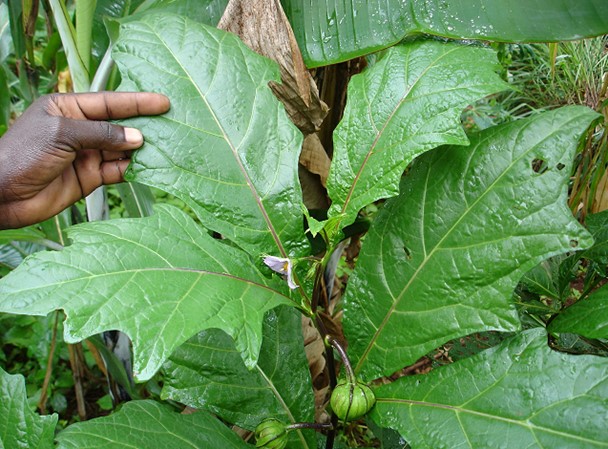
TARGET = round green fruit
(271,434)
(351,400)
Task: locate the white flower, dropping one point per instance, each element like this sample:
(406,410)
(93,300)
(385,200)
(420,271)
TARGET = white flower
(283,266)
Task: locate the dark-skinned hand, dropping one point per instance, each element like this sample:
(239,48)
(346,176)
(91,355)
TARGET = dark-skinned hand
(62,148)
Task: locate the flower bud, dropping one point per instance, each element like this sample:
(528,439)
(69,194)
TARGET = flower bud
(271,434)
(351,400)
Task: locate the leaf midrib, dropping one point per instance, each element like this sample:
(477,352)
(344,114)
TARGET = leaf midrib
(285,407)
(141,270)
(380,133)
(437,247)
(456,409)
(233,149)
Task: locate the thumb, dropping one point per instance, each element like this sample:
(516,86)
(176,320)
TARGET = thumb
(97,135)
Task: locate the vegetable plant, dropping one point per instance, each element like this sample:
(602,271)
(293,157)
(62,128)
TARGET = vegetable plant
(216,303)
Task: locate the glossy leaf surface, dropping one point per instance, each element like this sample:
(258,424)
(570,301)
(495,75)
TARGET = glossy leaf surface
(519,394)
(150,425)
(204,11)
(552,277)
(159,279)
(442,259)
(407,103)
(20,428)
(207,372)
(329,31)
(226,147)
(587,317)
(598,226)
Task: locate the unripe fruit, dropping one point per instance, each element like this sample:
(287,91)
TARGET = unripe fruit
(351,400)
(271,434)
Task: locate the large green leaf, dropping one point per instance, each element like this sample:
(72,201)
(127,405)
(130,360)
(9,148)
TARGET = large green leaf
(226,147)
(150,425)
(442,260)
(587,317)
(207,372)
(160,280)
(519,394)
(407,103)
(20,428)
(330,31)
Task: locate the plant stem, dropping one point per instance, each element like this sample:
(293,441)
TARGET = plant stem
(100,80)
(49,368)
(309,425)
(331,369)
(319,294)
(350,374)
(50,244)
(77,365)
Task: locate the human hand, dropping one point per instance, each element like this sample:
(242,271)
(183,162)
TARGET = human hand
(61,149)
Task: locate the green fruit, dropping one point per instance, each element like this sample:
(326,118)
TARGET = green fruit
(351,400)
(271,434)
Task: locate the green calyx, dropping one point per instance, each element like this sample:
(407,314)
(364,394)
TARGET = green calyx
(271,434)
(351,400)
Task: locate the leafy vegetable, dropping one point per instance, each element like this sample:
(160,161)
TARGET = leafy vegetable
(226,147)
(405,104)
(20,428)
(442,259)
(150,425)
(159,279)
(519,394)
(207,372)
(587,317)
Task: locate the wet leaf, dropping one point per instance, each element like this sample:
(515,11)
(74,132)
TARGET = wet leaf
(598,227)
(519,394)
(442,260)
(226,147)
(150,425)
(207,372)
(159,279)
(331,31)
(407,103)
(587,317)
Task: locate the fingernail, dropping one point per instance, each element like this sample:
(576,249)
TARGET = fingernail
(133,135)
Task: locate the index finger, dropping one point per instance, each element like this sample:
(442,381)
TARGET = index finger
(111,105)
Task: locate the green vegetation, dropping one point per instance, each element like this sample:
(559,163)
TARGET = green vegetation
(468,227)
